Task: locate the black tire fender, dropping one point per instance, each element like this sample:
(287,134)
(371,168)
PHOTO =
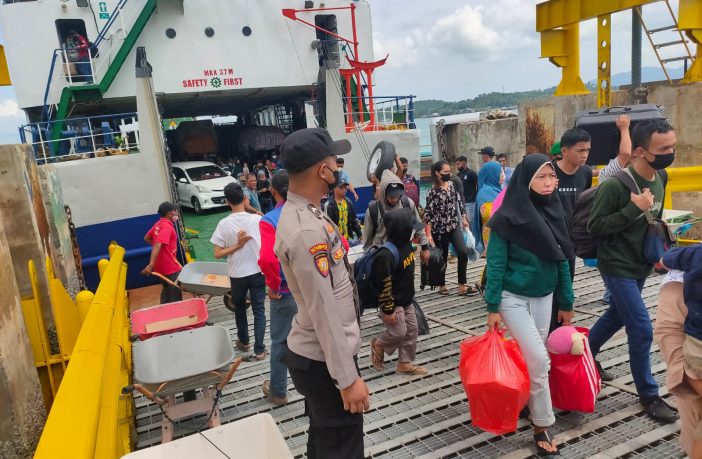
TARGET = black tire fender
(382,158)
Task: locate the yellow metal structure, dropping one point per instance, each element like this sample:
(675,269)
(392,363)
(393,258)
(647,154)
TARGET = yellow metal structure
(604,60)
(90,418)
(690,22)
(4,70)
(557,21)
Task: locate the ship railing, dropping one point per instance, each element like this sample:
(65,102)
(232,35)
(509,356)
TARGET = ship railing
(389,113)
(84,137)
(91,69)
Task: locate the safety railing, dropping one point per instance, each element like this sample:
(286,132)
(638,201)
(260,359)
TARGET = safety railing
(389,113)
(90,417)
(92,68)
(86,137)
(683,179)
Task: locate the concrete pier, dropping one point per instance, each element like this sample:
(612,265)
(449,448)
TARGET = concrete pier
(23,412)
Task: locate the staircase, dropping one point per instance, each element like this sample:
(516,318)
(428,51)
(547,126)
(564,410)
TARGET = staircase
(676,46)
(114,42)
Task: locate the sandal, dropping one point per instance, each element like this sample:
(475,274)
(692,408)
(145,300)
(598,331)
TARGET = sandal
(443,291)
(413,370)
(468,290)
(377,361)
(242,347)
(545,437)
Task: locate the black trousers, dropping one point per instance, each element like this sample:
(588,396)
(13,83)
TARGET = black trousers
(455,237)
(169,293)
(554,310)
(334,432)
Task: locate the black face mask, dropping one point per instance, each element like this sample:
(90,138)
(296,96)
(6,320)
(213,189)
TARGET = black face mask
(538,198)
(662,161)
(335,182)
(445,177)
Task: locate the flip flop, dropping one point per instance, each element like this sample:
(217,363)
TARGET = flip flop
(377,361)
(469,291)
(545,437)
(413,370)
(443,291)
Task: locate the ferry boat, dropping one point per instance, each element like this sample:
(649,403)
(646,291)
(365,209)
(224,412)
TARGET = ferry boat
(282,65)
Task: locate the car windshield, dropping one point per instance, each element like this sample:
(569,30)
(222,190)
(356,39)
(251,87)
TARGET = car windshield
(198,174)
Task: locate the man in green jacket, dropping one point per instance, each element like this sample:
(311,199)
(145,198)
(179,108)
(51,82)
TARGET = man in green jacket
(617,217)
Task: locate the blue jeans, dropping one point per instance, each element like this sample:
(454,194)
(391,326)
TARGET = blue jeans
(282,313)
(627,309)
(255,285)
(470,211)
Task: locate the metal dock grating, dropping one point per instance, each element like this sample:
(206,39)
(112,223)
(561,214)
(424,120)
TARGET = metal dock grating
(428,416)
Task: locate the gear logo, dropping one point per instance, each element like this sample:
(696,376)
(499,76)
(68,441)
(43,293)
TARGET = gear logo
(216,82)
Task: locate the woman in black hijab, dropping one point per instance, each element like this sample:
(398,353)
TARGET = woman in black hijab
(527,264)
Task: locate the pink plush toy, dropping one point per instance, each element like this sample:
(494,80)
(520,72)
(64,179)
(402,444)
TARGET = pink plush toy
(566,340)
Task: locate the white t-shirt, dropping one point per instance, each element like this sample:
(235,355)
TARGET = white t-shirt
(243,262)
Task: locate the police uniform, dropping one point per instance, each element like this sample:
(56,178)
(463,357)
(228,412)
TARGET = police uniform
(325,337)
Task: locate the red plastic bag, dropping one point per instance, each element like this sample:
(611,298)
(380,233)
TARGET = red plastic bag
(495,378)
(574,380)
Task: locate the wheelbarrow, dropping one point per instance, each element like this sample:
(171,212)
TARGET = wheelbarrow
(202,278)
(202,358)
(169,318)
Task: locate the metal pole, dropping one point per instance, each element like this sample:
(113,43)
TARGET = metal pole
(635,47)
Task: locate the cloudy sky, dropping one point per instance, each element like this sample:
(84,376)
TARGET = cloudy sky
(457,49)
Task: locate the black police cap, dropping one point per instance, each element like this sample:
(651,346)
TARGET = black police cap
(306,147)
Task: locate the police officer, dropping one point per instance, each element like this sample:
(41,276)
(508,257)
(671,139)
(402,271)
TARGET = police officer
(325,337)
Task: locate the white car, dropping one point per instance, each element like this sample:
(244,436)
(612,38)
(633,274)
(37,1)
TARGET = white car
(200,184)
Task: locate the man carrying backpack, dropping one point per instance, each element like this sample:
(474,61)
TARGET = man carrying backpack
(618,219)
(391,196)
(392,282)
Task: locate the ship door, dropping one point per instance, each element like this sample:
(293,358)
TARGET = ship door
(64,26)
(330,45)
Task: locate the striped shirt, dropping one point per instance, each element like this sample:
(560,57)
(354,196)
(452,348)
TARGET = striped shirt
(609,170)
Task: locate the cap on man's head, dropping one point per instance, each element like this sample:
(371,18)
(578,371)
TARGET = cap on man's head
(489,151)
(166,207)
(306,147)
(556,149)
(394,190)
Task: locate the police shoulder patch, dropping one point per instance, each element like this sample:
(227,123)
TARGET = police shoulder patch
(339,254)
(321,262)
(321,247)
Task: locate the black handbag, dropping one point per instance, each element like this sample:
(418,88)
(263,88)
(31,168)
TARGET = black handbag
(657,239)
(422,322)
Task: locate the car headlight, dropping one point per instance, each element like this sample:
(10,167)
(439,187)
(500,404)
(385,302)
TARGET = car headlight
(202,189)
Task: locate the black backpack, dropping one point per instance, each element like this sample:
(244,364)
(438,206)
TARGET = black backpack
(584,243)
(434,272)
(363,274)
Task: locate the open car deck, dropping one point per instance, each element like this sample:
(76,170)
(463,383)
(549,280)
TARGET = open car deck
(427,416)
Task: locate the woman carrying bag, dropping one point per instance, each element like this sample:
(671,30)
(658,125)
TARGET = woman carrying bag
(444,207)
(527,263)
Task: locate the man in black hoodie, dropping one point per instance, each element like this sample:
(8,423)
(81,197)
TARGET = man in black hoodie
(395,282)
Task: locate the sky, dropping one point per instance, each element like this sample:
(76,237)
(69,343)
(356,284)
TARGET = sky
(457,49)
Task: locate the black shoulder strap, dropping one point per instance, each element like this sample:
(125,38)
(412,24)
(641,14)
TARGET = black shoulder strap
(664,177)
(373,207)
(626,179)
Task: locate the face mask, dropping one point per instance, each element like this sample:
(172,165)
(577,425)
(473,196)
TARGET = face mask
(336,180)
(538,198)
(404,170)
(662,161)
(445,177)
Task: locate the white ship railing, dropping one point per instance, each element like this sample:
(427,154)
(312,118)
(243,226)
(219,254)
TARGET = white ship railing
(391,112)
(87,137)
(107,43)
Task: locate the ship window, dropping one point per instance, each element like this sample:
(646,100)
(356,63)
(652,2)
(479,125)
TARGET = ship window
(170,33)
(64,26)
(246,31)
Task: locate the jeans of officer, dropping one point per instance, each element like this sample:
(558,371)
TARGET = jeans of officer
(255,285)
(527,320)
(627,309)
(170,293)
(334,432)
(282,313)
(401,335)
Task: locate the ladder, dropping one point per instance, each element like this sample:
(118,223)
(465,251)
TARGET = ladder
(684,51)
